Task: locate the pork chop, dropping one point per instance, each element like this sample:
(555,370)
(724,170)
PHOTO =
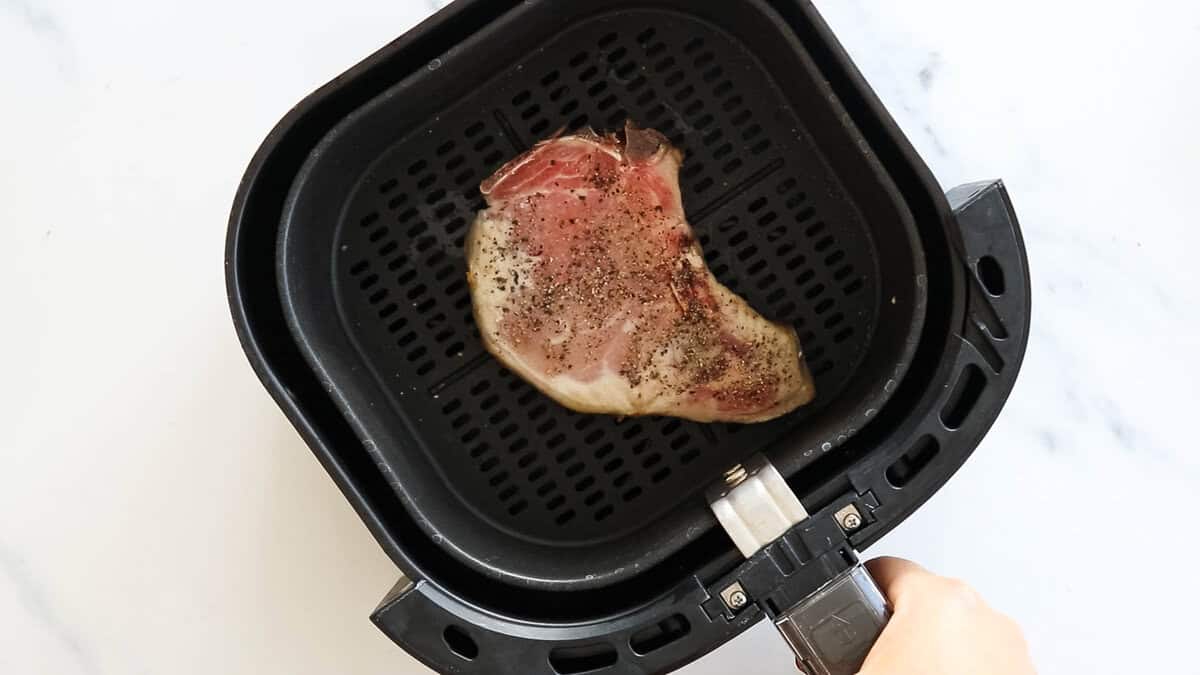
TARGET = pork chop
(587,281)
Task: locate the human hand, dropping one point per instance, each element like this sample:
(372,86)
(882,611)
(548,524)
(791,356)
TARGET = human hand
(941,626)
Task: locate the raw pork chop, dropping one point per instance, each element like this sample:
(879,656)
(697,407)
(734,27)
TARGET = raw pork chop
(587,281)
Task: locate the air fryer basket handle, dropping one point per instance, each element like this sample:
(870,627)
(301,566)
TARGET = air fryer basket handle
(841,610)
(833,630)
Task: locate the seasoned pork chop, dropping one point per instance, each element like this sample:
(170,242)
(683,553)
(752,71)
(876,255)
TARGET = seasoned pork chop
(587,281)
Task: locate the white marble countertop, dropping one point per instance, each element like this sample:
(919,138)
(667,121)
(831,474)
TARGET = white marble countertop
(159,515)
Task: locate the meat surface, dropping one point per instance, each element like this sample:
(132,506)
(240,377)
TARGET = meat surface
(587,281)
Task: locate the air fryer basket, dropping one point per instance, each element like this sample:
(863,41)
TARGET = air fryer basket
(538,540)
(790,212)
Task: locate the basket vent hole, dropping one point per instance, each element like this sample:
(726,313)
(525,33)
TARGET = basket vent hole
(460,642)
(963,397)
(903,470)
(661,634)
(582,658)
(990,275)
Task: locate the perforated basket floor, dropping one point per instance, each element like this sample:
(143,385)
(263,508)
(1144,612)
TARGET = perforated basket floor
(373,251)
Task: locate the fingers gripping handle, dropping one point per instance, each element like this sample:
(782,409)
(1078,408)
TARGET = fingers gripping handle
(832,630)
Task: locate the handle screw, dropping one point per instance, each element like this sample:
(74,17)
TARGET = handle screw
(849,518)
(737,599)
(734,596)
(736,475)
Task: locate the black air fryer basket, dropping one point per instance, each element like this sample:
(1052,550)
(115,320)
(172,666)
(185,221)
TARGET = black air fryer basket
(532,539)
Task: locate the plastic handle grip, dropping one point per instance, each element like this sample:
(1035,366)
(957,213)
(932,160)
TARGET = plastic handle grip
(832,630)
